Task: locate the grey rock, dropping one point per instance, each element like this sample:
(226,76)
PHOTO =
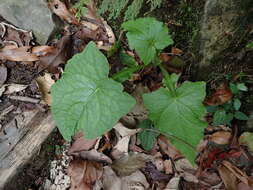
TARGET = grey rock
(31,15)
(222,25)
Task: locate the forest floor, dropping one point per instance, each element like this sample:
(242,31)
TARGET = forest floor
(223,154)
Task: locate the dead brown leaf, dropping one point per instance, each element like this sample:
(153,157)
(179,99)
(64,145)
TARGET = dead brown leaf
(45,83)
(18,54)
(60,9)
(165,57)
(176,51)
(227,177)
(167,148)
(210,177)
(81,143)
(243,186)
(222,95)
(10,33)
(168,166)
(84,174)
(43,50)
(154,175)
(238,173)
(57,55)
(220,137)
(130,163)
(92,155)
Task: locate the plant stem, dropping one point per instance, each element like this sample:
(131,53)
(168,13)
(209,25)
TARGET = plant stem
(172,136)
(168,82)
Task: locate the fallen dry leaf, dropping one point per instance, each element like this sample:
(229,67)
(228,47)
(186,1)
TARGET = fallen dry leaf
(84,174)
(154,175)
(136,181)
(60,9)
(173,184)
(165,57)
(159,164)
(12,88)
(92,155)
(167,148)
(130,163)
(243,186)
(43,50)
(12,34)
(3,74)
(210,177)
(176,51)
(124,131)
(110,180)
(45,83)
(220,137)
(80,143)
(222,95)
(120,148)
(168,166)
(18,54)
(227,177)
(238,173)
(57,55)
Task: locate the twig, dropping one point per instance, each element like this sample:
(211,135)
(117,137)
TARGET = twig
(25,99)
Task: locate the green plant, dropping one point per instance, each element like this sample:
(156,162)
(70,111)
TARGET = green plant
(249,45)
(81,8)
(86,99)
(224,114)
(115,7)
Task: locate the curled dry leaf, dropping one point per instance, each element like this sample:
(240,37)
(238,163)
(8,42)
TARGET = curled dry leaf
(136,180)
(43,50)
(159,164)
(227,177)
(164,57)
(154,175)
(168,166)
(84,174)
(222,95)
(12,34)
(55,56)
(124,131)
(173,183)
(167,148)
(92,155)
(239,174)
(60,9)
(110,180)
(220,137)
(12,88)
(243,186)
(130,163)
(176,51)
(18,54)
(120,148)
(210,177)
(45,82)
(81,143)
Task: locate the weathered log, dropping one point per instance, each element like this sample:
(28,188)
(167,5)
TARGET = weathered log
(22,142)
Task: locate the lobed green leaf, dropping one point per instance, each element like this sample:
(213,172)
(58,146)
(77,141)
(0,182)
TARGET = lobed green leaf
(85,99)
